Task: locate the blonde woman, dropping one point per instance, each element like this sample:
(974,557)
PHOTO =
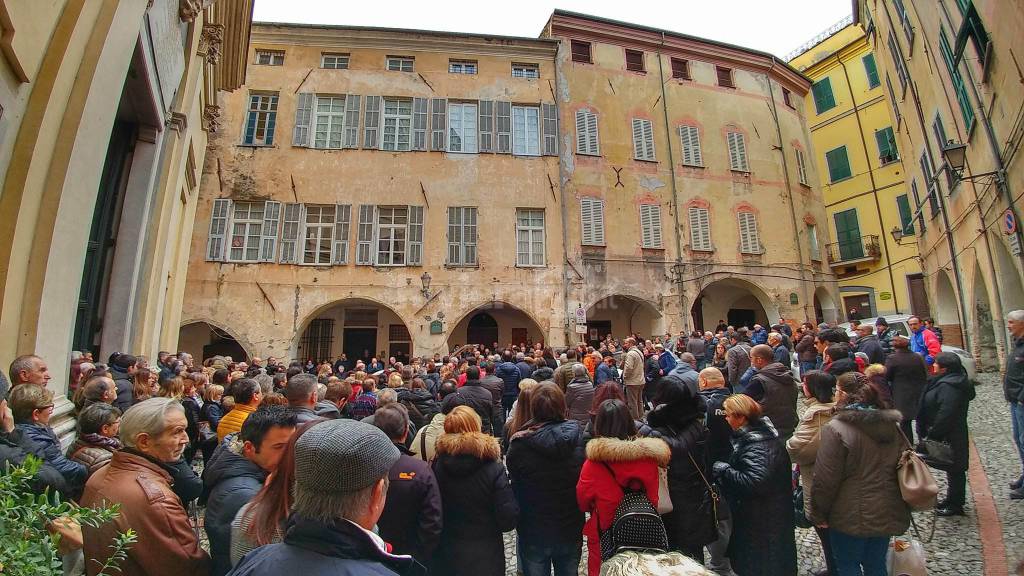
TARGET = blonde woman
(395,381)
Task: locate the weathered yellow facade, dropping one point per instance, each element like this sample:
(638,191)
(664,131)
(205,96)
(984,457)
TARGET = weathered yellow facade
(853,137)
(955,78)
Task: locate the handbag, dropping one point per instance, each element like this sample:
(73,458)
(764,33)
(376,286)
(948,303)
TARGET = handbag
(917,485)
(664,498)
(799,514)
(711,499)
(936,453)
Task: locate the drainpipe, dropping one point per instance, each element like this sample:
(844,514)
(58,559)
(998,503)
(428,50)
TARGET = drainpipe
(562,179)
(678,268)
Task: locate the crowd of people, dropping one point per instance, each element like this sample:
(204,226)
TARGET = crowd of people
(353,467)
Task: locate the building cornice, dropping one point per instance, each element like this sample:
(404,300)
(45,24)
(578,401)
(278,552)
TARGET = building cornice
(236,18)
(844,52)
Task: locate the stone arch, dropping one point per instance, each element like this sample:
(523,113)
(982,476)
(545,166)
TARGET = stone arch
(357,326)
(985,348)
(513,322)
(735,300)
(945,308)
(621,315)
(204,338)
(1010,284)
(825,309)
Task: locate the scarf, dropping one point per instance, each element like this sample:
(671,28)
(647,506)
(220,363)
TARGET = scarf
(112,444)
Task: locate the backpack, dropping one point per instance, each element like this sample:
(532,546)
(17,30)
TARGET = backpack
(636,526)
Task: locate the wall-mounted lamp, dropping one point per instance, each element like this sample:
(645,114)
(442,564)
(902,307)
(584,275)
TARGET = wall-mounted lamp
(425,280)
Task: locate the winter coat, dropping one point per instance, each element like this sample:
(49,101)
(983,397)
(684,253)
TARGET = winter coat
(232,421)
(633,368)
(231,481)
(579,400)
(781,355)
(666,362)
(652,369)
(211,412)
(925,343)
(719,431)
(14,450)
(841,366)
(327,410)
(496,387)
(696,347)
(611,465)
(93,451)
(125,388)
(805,350)
(943,413)
(885,340)
(510,376)
(605,373)
(1013,383)
(411,521)
(856,490)
(759,337)
(191,407)
(544,463)
(338,548)
(775,388)
(737,360)
(479,399)
(525,369)
(870,346)
(303,414)
(43,443)
(757,483)
(804,444)
(478,505)
(907,375)
(688,374)
(422,445)
(420,404)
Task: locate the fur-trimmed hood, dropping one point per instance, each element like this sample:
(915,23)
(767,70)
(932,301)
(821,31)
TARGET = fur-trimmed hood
(880,425)
(475,444)
(615,450)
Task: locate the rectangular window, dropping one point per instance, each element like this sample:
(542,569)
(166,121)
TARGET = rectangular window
(462,222)
(392,230)
(529,237)
(580,51)
(901,13)
(838,164)
(269,58)
(330,120)
(586,133)
(812,241)
(700,229)
(462,120)
(246,231)
(941,142)
(823,97)
(397,125)
(917,205)
(400,63)
(635,60)
(737,152)
(892,100)
(317,339)
(592,221)
(643,140)
(966,110)
(897,60)
(218,229)
(724,77)
(787,98)
(526,130)
(262,116)
(531,71)
(930,182)
(342,224)
(462,66)
(974,29)
(906,215)
(689,137)
(680,69)
(871,71)
(334,61)
(750,241)
(801,166)
(886,141)
(650,226)
(318,241)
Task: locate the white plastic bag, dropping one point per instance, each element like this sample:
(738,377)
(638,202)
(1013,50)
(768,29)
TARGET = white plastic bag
(906,558)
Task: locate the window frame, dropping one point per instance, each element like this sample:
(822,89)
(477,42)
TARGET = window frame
(651,236)
(528,232)
(269,115)
(463,248)
(526,66)
(643,149)
(400,61)
(849,169)
(695,152)
(397,117)
(464,129)
(463,66)
(787,98)
(868,70)
(722,72)
(801,166)
(337,56)
(700,238)
(398,229)
(573,52)
(253,232)
(741,149)
(276,57)
(332,118)
(639,66)
(813,244)
(820,106)
(323,230)
(683,68)
(895,156)
(595,208)
(745,247)
(516,130)
(906,220)
(589,138)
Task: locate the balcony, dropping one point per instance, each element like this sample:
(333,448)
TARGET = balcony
(853,250)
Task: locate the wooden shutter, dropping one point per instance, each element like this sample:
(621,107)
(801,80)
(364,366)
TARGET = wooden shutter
(303,113)
(486,124)
(503,119)
(364,237)
(218,229)
(737,152)
(724,76)
(838,164)
(592,221)
(290,228)
(823,97)
(438,124)
(419,123)
(342,223)
(650,225)
(371,123)
(351,137)
(689,136)
(268,239)
(750,243)
(415,250)
(643,139)
(700,229)
(550,129)
(586,133)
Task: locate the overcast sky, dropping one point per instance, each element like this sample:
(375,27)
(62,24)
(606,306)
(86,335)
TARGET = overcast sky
(776,26)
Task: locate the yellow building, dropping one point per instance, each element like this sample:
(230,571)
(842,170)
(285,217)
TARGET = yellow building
(106,108)
(863,184)
(952,72)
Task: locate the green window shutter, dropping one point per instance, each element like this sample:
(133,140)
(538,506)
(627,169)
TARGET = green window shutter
(906,216)
(886,145)
(966,110)
(823,98)
(871,70)
(838,164)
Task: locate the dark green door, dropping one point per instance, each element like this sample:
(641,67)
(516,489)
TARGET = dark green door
(848,235)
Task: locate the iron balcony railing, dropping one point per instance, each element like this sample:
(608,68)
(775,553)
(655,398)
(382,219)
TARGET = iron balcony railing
(854,249)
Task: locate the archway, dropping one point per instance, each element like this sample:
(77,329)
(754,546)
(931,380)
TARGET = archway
(824,306)
(1009,276)
(359,328)
(734,301)
(510,325)
(203,340)
(986,336)
(621,315)
(945,301)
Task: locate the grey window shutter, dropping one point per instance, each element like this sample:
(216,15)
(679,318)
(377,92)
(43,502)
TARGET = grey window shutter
(218,229)
(268,240)
(438,123)
(290,233)
(550,121)
(303,112)
(415,254)
(486,122)
(503,118)
(342,223)
(351,139)
(371,122)
(364,239)
(419,123)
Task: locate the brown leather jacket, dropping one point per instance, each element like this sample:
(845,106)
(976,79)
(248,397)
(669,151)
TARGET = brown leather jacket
(91,456)
(166,542)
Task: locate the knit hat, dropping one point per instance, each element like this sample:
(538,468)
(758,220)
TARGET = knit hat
(881,322)
(342,456)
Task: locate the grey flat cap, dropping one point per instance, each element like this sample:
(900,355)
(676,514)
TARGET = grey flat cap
(342,456)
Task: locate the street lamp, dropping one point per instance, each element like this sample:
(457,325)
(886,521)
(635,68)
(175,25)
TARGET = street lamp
(898,234)
(955,156)
(425,280)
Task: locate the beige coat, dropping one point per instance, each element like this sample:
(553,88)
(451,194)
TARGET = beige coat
(633,368)
(803,445)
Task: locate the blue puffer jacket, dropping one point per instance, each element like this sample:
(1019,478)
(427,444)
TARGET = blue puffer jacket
(231,480)
(509,374)
(41,441)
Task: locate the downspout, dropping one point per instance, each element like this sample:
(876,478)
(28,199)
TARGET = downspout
(874,185)
(563,177)
(677,269)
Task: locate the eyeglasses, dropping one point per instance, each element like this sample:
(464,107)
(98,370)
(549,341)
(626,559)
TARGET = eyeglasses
(45,408)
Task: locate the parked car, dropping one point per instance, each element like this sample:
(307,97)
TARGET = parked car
(899,324)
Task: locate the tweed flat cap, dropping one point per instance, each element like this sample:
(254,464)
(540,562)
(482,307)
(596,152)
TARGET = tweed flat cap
(341,456)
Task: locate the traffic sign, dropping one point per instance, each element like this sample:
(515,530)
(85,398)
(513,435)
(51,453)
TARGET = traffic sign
(581,315)
(1009,223)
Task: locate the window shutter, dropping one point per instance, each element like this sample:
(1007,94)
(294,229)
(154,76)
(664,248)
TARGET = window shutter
(371,123)
(438,123)
(737,152)
(351,138)
(415,254)
(218,229)
(689,137)
(268,240)
(650,225)
(419,123)
(486,122)
(592,221)
(364,239)
(550,128)
(700,229)
(643,139)
(303,111)
(586,133)
(342,223)
(290,226)
(503,118)
(749,241)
